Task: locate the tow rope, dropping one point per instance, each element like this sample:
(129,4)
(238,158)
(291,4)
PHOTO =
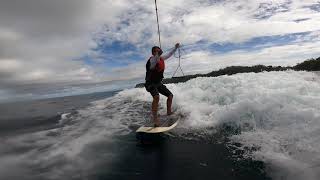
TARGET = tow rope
(159,36)
(155,3)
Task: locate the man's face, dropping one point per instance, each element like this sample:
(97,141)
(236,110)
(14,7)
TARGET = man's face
(158,51)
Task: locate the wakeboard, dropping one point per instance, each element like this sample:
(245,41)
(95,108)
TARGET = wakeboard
(166,124)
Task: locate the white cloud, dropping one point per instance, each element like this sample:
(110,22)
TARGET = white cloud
(39,39)
(44,37)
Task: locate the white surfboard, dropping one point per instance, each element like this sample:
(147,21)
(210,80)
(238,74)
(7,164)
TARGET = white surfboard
(166,124)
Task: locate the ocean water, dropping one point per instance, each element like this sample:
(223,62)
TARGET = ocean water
(270,117)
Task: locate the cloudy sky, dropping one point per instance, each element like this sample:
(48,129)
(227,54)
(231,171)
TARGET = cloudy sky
(46,41)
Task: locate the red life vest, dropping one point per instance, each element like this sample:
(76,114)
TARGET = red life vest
(160,65)
(155,75)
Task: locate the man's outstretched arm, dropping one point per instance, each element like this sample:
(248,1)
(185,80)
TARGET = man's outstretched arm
(168,55)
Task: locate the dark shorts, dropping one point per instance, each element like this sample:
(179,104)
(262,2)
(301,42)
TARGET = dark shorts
(155,89)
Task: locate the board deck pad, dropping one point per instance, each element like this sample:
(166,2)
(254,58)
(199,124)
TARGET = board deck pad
(166,123)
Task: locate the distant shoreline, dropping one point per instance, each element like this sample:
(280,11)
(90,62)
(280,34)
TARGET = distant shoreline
(308,65)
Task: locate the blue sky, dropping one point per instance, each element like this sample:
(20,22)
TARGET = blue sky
(114,54)
(257,43)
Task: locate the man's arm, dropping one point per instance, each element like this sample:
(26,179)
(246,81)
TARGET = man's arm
(168,55)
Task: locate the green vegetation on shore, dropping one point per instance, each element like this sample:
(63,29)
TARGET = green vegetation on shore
(308,65)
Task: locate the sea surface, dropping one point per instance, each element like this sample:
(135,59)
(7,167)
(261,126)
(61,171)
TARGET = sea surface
(246,126)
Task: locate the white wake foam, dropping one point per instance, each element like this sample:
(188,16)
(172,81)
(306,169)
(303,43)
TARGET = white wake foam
(278,113)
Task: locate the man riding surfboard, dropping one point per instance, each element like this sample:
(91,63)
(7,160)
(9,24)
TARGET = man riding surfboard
(155,68)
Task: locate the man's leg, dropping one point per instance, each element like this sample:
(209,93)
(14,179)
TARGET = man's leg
(169,104)
(155,104)
(166,92)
